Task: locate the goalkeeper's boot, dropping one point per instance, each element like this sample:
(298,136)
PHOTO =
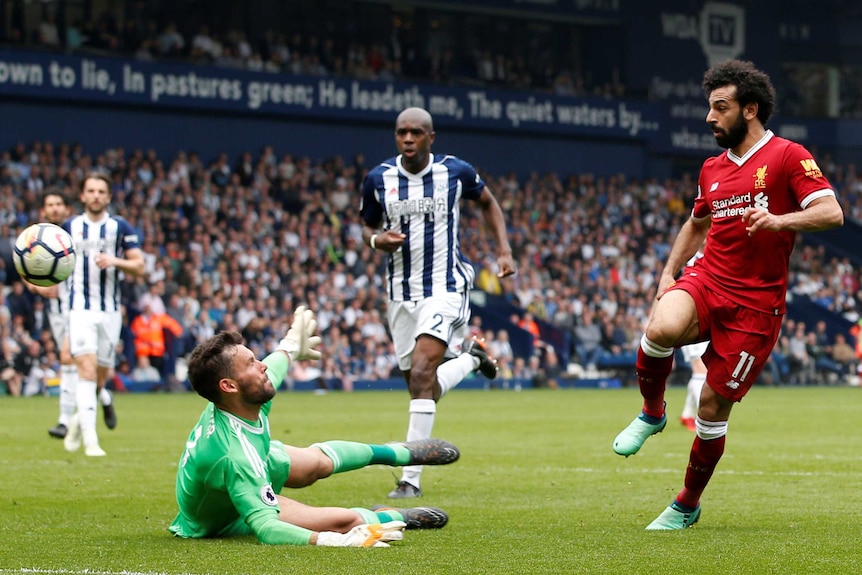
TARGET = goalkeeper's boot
(630,439)
(59,431)
(404,490)
(431,452)
(475,346)
(675,516)
(419,517)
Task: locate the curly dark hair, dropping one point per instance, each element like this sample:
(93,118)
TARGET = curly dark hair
(752,85)
(211,361)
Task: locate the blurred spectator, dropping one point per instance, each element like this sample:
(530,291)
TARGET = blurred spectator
(48,34)
(20,303)
(529,324)
(500,346)
(551,368)
(149,329)
(588,338)
(204,48)
(521,369)
(334,376)
(143,372)
(27,366)
(841,360)
(10,379)
(777,368)
(121,376)
(306,371)
(614,338)
(152,299)
(171,43)
(44,368)
(801,366)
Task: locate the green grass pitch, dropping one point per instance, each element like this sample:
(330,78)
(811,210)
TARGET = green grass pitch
(537,490)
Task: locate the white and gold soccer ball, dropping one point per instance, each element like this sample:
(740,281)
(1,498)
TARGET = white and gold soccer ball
(44,254)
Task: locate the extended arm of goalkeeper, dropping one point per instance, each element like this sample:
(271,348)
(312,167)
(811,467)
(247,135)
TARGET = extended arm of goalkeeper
(366,535)
(301,341)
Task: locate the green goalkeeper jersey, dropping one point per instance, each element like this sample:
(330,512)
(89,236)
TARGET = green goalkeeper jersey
(224,484)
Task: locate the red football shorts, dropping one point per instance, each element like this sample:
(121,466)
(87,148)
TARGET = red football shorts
(741,338)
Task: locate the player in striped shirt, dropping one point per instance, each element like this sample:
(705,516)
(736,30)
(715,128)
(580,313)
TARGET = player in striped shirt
(231,474)
(106,246)
(55,210)
(411,210)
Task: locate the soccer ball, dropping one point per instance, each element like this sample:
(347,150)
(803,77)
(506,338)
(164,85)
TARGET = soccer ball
(44,254)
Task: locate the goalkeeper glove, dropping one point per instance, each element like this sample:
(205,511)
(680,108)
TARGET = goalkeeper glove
(300,341)
(366,535)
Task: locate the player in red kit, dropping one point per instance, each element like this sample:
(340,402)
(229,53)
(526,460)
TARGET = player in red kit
(751,201)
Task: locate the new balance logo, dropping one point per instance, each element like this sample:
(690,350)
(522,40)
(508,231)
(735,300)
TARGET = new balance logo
(732,384)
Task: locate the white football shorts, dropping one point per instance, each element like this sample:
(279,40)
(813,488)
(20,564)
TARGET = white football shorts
(95,332)
(445,317)
(694,350)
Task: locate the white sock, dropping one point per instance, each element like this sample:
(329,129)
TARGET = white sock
(422,413)
(68,397)
(451,373)
(90,437)
(692,396)
(105,397)
(86,394)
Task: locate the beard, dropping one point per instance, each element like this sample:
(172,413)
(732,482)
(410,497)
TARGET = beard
(735,135)
(259,395)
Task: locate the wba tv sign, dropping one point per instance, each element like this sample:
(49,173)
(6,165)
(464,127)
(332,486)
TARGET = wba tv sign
(719,28)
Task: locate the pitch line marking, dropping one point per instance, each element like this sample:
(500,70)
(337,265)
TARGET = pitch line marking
(37,571)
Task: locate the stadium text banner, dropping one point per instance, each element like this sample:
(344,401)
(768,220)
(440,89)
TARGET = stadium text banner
(116,81)
(177,87)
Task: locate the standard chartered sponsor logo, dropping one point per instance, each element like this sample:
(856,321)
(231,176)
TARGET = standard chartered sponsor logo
(734,206)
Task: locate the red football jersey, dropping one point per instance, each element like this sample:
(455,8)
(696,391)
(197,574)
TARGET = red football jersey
(777,175)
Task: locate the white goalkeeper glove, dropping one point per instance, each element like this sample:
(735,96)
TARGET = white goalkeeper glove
(300,341)
(366,535)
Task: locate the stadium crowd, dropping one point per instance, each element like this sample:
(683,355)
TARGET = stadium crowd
(363,42)
(238,243)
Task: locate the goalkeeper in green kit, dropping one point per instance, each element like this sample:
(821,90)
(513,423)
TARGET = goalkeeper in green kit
(231,472)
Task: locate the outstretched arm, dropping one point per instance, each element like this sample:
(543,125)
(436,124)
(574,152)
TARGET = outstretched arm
(333,526)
